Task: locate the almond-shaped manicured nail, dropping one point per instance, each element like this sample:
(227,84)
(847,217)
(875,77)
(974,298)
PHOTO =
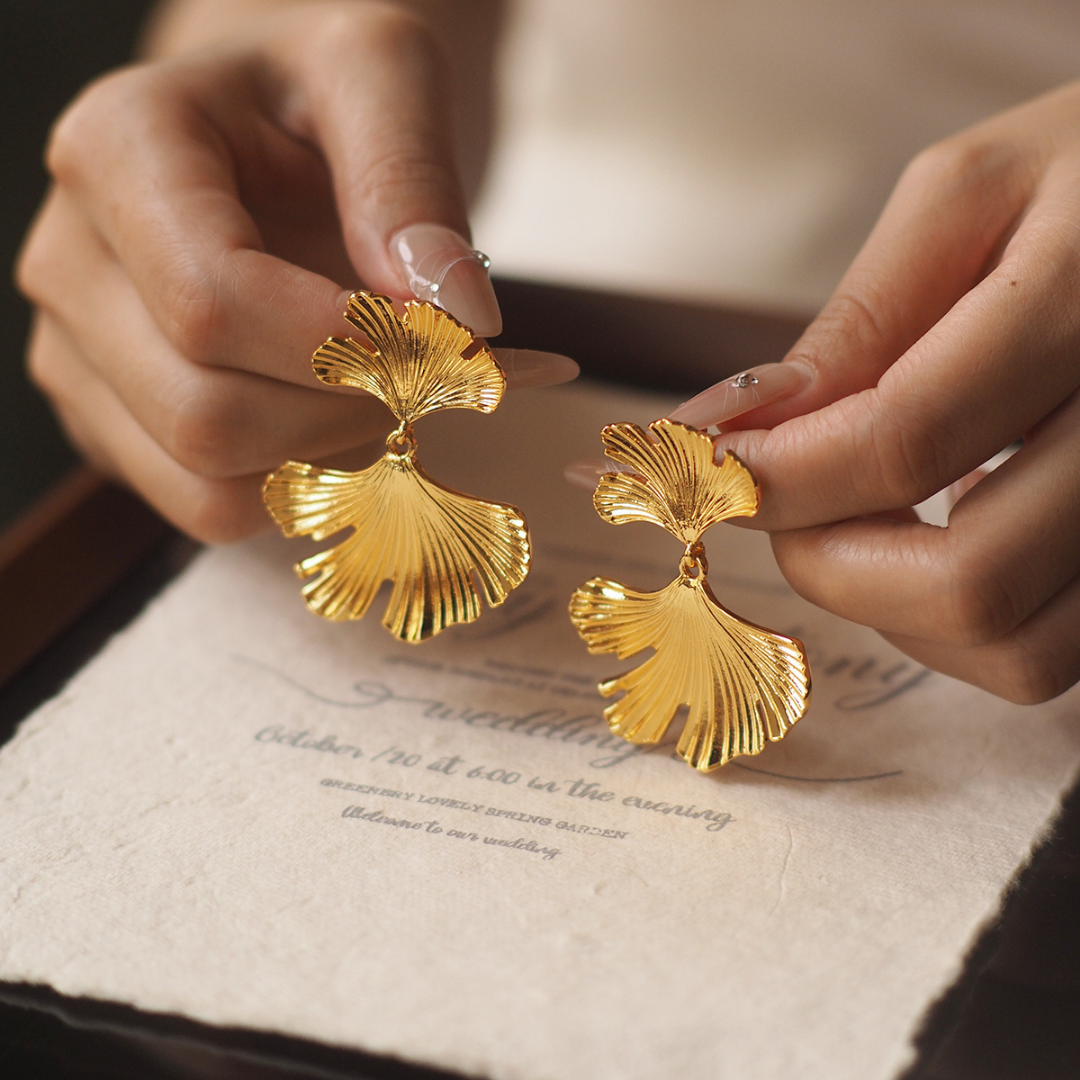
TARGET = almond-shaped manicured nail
(751,389)
(587,473)
(528,367)
(440,266)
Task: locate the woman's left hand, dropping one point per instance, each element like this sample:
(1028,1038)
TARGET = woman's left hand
(955,332)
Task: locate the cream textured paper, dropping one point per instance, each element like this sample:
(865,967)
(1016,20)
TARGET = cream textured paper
(251,817)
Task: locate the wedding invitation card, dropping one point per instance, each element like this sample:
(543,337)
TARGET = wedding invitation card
(248,816)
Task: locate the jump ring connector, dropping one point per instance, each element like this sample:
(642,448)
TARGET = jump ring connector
(693,562)
(401,442)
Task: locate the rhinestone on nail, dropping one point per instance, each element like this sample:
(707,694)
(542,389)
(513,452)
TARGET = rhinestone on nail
(741,382)
(482,259)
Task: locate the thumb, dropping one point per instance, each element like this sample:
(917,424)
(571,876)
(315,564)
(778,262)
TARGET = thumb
(372,92)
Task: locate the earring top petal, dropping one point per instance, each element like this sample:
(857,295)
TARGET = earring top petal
(441,549)
(743,685)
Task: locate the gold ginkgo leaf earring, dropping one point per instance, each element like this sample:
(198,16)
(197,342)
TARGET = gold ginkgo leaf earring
(440,548)
(743,684)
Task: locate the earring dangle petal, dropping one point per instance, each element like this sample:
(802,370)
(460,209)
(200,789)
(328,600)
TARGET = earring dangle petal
(743,684)
(440,548)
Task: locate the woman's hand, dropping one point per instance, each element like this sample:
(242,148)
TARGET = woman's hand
(955,332)
(209,211)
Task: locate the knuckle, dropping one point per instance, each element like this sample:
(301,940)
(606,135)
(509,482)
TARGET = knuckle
(853,324)
(43,370)
(911,468)
(209,428)
(197,319)
(959,168)
(387,29)
(33,267)
(848,317)
(67,139)
(70,148)
(1029,676)
(981,607)
(219,514)
(42,253)
(388,32)
(903,458)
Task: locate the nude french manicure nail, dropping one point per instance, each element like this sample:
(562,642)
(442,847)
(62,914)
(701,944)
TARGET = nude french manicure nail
(441,267)
(762,385)
(529,367)
(587,473)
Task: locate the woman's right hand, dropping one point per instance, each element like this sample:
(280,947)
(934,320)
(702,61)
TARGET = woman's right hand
(208,212)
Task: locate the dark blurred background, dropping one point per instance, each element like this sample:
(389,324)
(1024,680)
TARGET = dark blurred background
(50,49)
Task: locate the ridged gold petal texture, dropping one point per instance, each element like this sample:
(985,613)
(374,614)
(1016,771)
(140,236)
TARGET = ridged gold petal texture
(416,365)
(743,684)
(435,545)
(674,483)
(441,549)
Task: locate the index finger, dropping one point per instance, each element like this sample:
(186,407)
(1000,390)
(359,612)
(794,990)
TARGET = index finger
(988,371)
(154,173)
(187,142)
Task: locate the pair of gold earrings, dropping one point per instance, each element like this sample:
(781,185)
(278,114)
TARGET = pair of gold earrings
(742,684)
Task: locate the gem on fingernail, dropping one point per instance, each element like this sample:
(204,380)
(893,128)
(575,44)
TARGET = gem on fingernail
(741,382)
(482,259)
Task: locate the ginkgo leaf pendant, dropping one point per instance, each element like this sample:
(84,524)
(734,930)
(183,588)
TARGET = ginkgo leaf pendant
(743,685)
(441,549)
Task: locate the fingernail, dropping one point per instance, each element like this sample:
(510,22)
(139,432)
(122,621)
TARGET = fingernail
(528,367)
(440,266)
(748,390)
(587,473)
